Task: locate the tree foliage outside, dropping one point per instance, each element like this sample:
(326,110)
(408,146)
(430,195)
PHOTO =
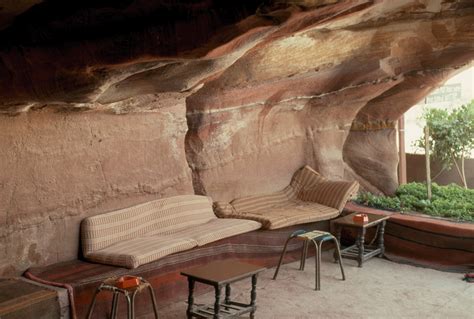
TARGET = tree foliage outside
(451,136)
(451,201)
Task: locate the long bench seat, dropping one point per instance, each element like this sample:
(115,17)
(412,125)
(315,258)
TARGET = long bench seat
(81,278)
(140,234)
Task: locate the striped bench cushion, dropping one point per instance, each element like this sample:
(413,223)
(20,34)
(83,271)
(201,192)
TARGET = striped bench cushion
(330,193)
(293,213)
(262,202)
(310,197)
(219,228)
(140,234)
(132,253)
(159,217)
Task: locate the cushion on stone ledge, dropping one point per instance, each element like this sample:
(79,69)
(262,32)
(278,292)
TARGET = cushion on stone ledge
(292,213)
(134,252)
(159,217)
(330,193)
(217,229)
(310,197)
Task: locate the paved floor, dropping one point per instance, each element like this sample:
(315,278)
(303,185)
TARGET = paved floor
(381,289)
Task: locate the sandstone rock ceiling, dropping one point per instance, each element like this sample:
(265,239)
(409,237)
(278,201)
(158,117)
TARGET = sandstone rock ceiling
(338,73)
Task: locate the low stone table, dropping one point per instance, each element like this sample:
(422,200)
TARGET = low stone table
(219,274)
(360,251)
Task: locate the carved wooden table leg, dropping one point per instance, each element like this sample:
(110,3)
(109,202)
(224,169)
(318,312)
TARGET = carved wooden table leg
(253,296)
(227,293)
(360,245)
(380,239)
(190,297)
(217,303)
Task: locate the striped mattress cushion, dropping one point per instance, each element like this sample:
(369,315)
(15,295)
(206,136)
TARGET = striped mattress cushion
(292,213)
(134,252)
(262,202)
(160,217)
(217,229)
(330,193)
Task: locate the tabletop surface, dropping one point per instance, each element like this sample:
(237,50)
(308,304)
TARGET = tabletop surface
(222,271)
(374,219)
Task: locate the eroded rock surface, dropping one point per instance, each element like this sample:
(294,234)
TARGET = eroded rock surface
(123,101)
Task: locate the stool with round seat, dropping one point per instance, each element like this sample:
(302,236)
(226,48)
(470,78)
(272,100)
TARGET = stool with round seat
(317,238)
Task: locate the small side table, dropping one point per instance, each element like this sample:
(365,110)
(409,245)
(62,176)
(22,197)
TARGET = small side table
(221,274)
(360,251)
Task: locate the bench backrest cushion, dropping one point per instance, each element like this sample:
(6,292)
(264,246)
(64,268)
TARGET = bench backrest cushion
(305,178)
(331,193)
(159,217)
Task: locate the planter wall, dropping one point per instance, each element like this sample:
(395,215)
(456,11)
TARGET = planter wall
(425,241)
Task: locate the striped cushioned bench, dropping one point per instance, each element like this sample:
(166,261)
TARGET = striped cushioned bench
(140,234)
(310,197)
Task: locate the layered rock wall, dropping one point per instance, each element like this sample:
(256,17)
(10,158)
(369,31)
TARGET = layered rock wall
(115,103)
(57,168)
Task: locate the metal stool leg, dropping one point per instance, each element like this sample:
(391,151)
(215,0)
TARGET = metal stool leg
(91,308)
(129,307)
(293,235)
(304,254)
(320,249)
(113,310)
(338,250)
(153,300)
(317,266)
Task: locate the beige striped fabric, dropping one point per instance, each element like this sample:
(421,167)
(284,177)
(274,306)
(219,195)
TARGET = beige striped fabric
(330,193)
(219,228)
(132,253)
(140,234)
(162,216)
(305,178)
(293,213)
(293,205)
(263,202)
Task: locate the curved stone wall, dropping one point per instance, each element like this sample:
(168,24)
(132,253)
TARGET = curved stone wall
(118,102)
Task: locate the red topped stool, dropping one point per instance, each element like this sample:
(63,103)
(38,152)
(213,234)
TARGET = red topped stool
(128,286)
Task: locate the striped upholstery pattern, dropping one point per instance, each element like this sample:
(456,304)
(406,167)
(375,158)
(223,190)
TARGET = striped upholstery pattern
(162,216)
(293,213)
(134,252)
(263,202)
(143,233)
(310,197)
(330,193)
(219,228)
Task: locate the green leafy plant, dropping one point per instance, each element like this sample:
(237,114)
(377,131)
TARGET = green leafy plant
(451,136)
(451,201)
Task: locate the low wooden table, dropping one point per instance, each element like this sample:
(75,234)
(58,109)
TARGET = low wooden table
(219,274)
(359,251)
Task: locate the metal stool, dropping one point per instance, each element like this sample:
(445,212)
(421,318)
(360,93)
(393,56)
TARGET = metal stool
(129,293)
(317,238)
